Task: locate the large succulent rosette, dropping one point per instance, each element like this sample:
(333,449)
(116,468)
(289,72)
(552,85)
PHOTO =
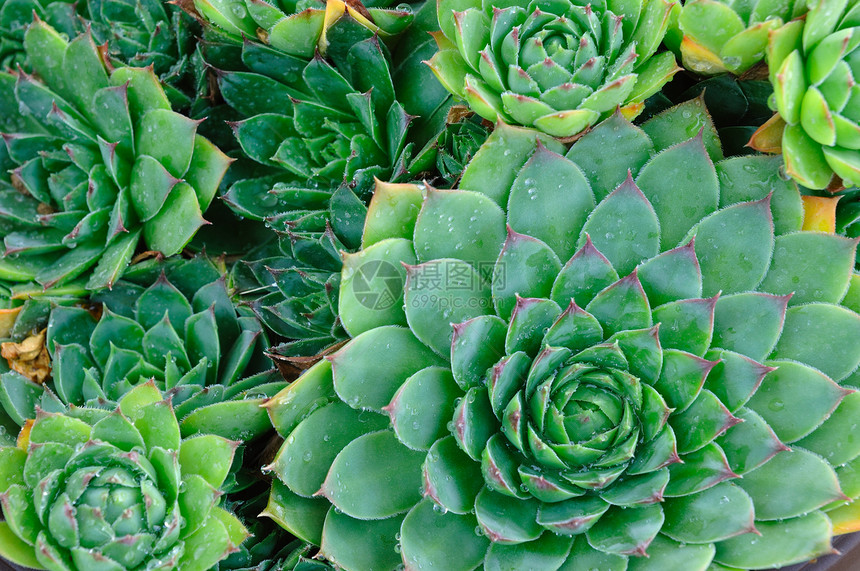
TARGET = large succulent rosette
(557,66)
(598,356)
(99,165)
(116,490)
(814,67)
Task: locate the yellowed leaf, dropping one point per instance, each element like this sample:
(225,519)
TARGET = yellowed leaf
(845,518)
(768,137)
(24,436)
(7,320)
(819,213)
(700,59)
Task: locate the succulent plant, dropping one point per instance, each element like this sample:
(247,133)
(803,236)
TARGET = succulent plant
(453,147)
(290,556)
(557,66)
(616,374)
(814,67)
(195,346)
(101,489)
(717,36)
(137,33)
(269,547)
(323,121)
(292,286)
(100,164)
(298,28)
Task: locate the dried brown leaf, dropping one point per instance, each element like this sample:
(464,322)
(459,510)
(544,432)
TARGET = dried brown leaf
(29,357)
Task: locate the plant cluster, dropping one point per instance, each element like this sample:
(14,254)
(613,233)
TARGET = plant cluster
(351,284)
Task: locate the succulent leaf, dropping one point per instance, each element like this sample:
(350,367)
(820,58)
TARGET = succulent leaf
(718,37)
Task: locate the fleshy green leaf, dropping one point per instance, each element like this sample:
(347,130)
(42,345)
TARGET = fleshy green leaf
(734,247)
(363,487)
(452,545)
(667,181)
(624,228)
(362,381)
(813,266)
(835,332)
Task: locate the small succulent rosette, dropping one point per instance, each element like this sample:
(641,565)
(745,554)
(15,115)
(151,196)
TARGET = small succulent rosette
(557,66)
(445,157)
(299,28)
(321,123)
(116,490)
(292,286)
(589,364)
(814,68)
(193,344)
(269,547)
(99,164)
(715,36)
(138,34)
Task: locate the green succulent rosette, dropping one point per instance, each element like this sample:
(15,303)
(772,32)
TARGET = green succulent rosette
(337,122)
(196,347)
(138,34)
(590,364)
(454,147)
(292,556)
(269,547)
(814,68)
(716,36)
(116,490)
(292,286)
(299,28)
(558,66)
(324,126)
(100,165)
